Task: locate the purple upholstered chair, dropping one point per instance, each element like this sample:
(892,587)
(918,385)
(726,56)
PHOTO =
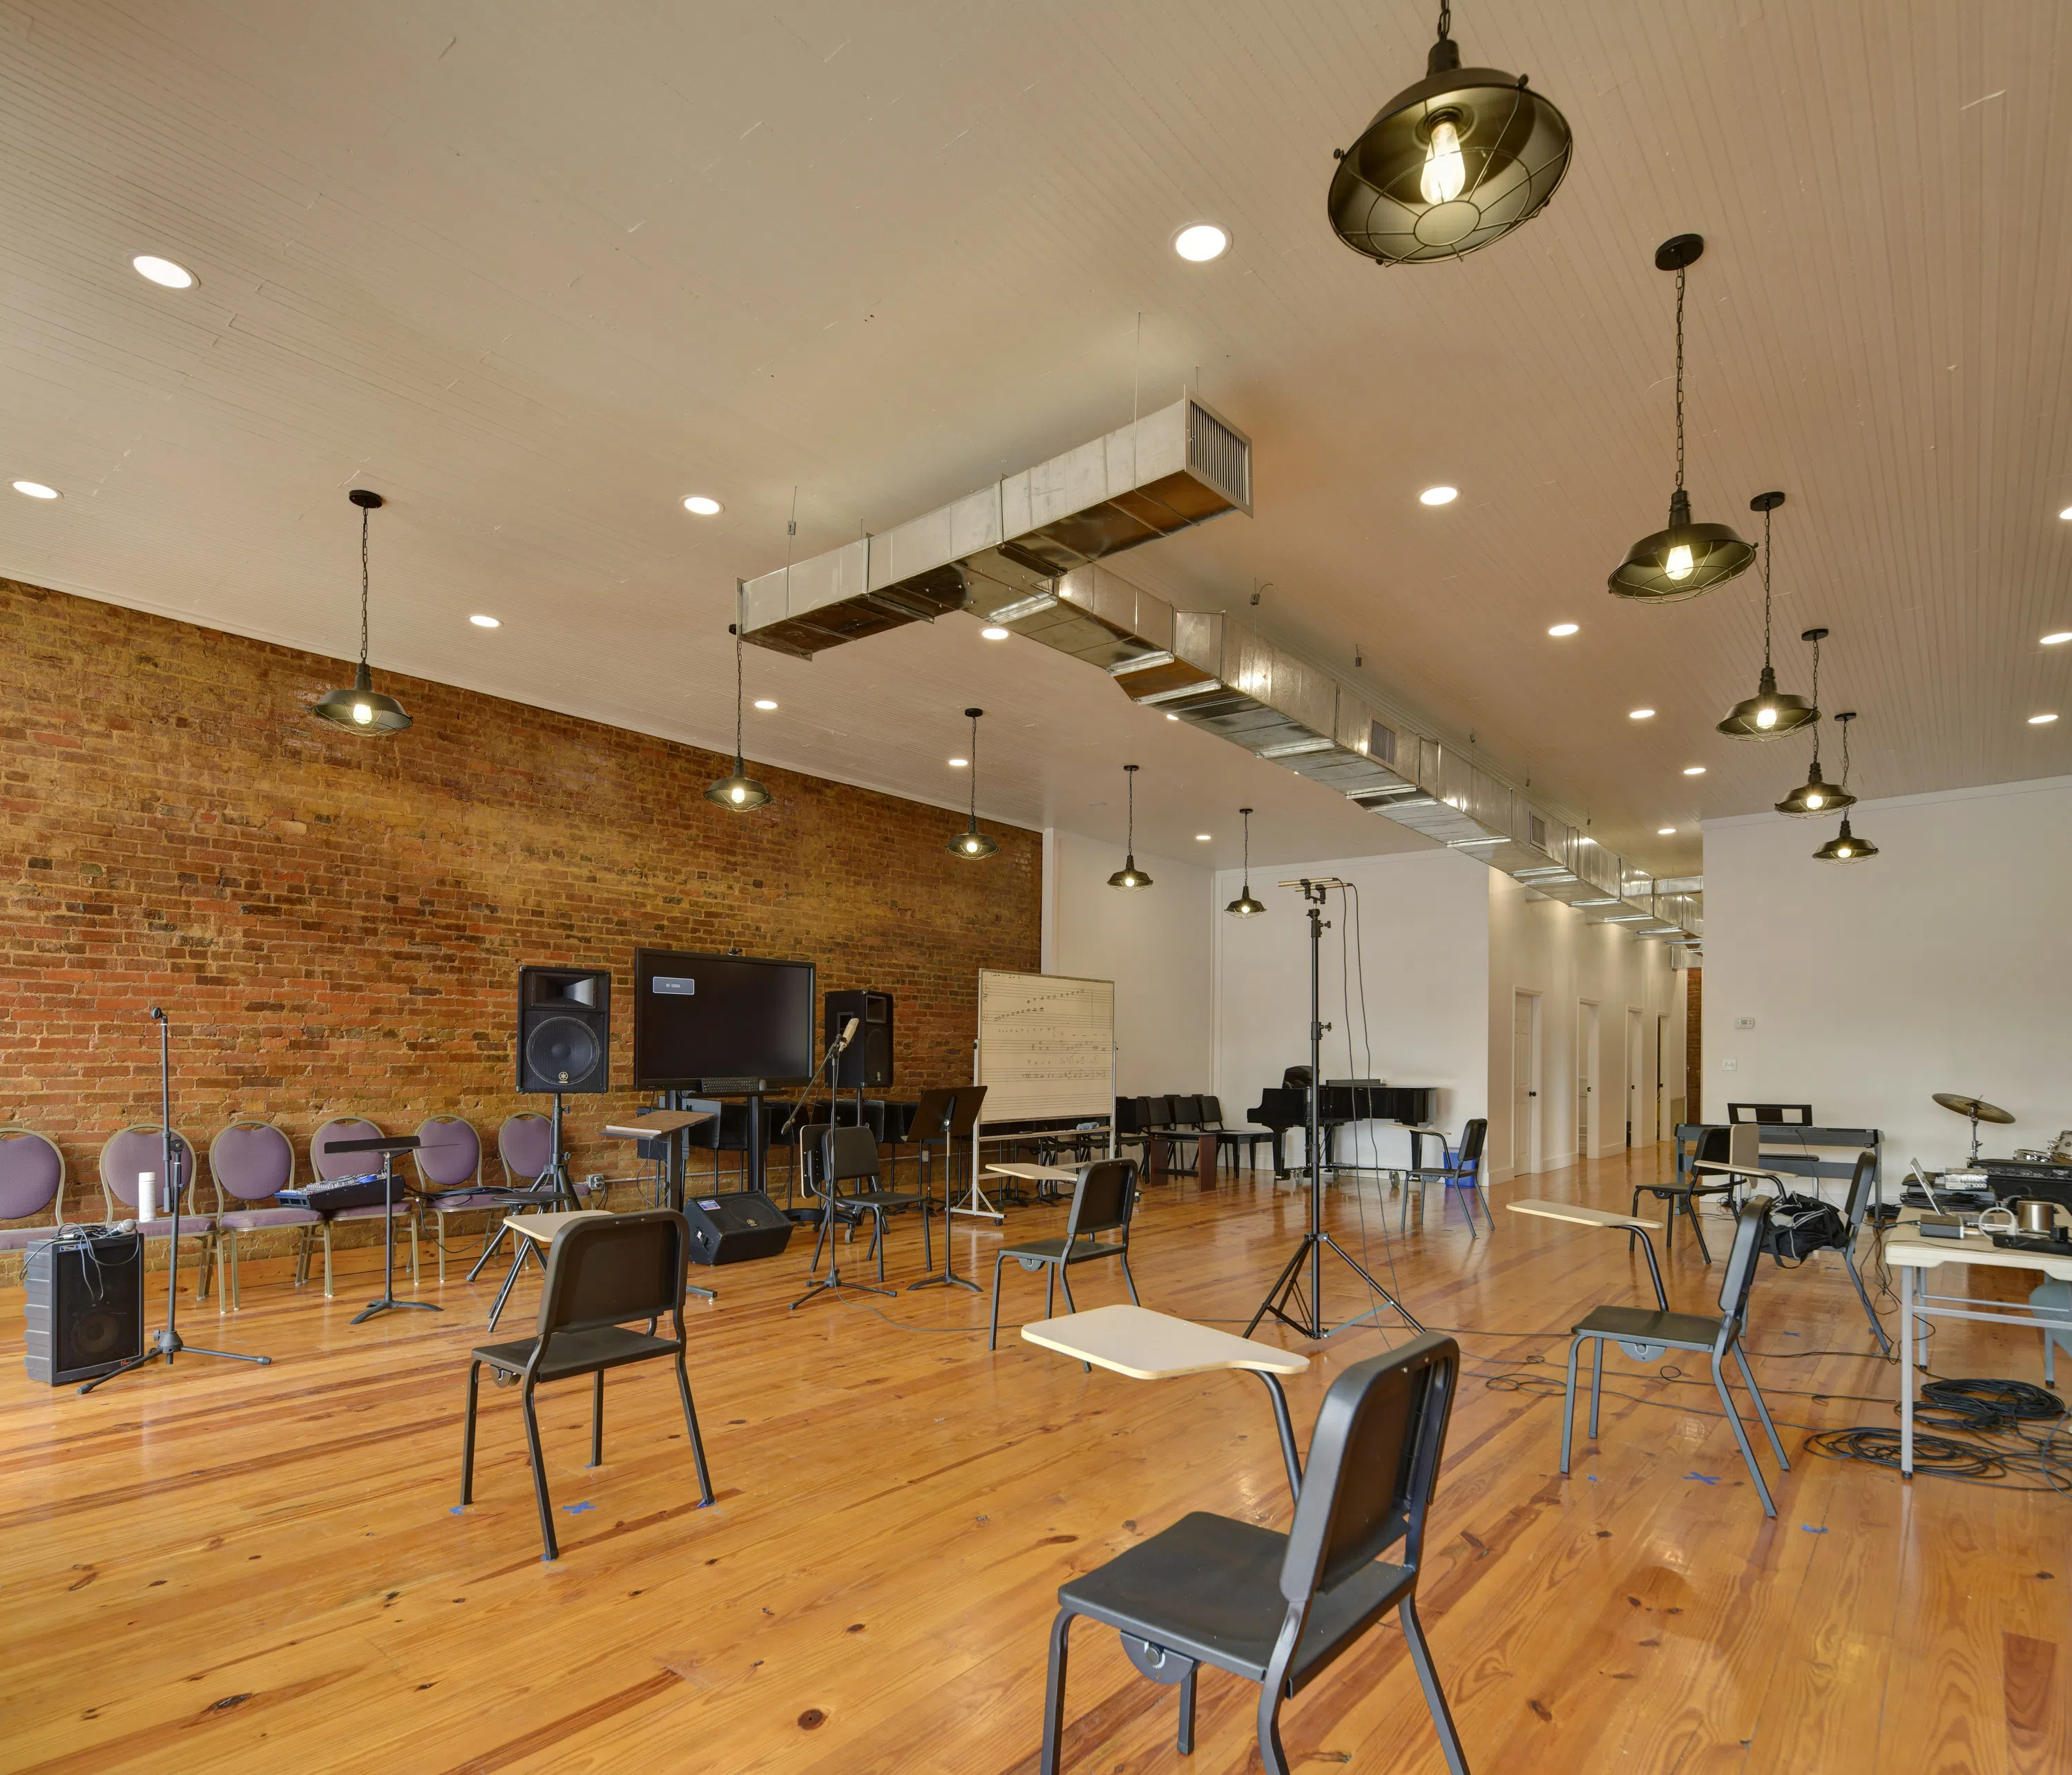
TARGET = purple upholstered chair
(525,1144)
(251,1162)
(126,1158)
(331,1165)
(449,1163)
(32,1176)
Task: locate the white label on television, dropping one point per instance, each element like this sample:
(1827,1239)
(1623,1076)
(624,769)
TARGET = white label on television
(678,984)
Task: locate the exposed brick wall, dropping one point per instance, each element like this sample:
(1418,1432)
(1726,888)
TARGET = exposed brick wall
(336,924)
(1694,1045)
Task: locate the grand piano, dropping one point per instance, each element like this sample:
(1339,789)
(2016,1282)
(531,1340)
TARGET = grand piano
(1341,1103)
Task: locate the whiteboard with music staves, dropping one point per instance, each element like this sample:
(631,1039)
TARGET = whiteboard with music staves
(1046,1045)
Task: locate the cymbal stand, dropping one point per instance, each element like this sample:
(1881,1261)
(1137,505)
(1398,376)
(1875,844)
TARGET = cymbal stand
(1288,1289)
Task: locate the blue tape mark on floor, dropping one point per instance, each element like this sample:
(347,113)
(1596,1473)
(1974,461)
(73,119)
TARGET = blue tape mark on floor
(1811,1530)
(1794,1335)
(458,1510)
(1591,1477)
(577,1509)
(1704,1479)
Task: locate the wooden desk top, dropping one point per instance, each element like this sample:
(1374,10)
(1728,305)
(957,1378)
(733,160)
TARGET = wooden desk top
(1928,1254)
(1037,1174)
(1152,1346)
(541,1228)
(1581,1216)
(648,1128)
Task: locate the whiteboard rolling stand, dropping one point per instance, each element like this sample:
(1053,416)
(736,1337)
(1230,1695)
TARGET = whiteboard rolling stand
(1045,1048)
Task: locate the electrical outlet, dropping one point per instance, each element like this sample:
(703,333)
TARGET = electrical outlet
(1727,1065)
(1744,1023)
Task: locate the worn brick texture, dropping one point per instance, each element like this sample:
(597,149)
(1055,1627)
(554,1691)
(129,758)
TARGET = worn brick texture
(335,925)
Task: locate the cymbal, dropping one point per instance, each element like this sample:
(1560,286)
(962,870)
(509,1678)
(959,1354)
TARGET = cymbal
(1977,1108)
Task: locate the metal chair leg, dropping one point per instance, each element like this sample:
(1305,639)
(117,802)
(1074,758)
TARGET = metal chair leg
(326,1242)
(1185,1740)
(992,1337)
(1272,1753)
(1129,1281)
(1049,1291)
(691,1426)
(1870,1311)
(1596,1381)
(1762,1410)
(1054,1695)
(597,1422)
(1070,1304)
(467,1435)
(1697,1228)
(1569,1402)
(1435,1697)
(1741,1435)
(540,1495)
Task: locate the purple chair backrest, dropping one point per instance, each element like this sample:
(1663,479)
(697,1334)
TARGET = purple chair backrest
(136,1150)
(451,1154)
(328,1165)
(526,1143)
(252,1160)
(32,1173)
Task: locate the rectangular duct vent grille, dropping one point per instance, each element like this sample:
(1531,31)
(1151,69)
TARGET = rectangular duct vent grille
(1381,743)
(1535,829)
(1218,454)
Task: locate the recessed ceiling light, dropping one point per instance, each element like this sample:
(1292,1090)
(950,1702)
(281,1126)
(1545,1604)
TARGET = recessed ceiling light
(1665,832)
(994,634)
(958,764)
(1586,841)
(2066,513)
(699,506)
(2058,638)
(36,489)
(163,271)
(1439,495)
(764,703)
(1561,628)
(1640,714)
(1202,838)
(1172,717)
(2041,721)
(1694,769)
(1201,242)
(486,622)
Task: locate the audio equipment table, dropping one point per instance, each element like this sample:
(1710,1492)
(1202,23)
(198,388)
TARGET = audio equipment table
(1152,1346)
(668,1126)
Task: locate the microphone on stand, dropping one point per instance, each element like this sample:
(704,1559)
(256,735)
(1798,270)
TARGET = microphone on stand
(848,1035)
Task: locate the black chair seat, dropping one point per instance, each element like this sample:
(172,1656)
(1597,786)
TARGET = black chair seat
(1648,1325)
(1052,1250)
(1209,1588)
(576,1353)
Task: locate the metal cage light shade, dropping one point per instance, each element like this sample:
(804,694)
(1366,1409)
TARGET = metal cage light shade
(739,791)
(1815,798)
(972,844)
(1845,847)
(1449,165)
(362,710)
(1129,878)
(1770,713)
(1244,906)
(1685,559)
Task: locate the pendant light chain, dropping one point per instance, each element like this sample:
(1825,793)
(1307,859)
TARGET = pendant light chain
(1129,842)
(740,616)
(1445,18)
(363,585)
(974,770)
(1766,574)
(1680,271)
(1247,820)
(1845,754)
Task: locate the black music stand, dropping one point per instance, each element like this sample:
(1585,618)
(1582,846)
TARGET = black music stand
(388,1146)
(933,1118)
(971,1098)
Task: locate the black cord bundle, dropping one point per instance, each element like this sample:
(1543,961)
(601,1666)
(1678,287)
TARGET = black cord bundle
(1985,1442)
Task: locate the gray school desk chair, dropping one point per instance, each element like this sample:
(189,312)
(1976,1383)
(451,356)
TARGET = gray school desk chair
(1280,1609)
(252,1161)
(1103,1201)
(1653,1330)
(601,1274)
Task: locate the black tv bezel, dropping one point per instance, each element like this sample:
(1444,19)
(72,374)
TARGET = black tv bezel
(712,1085)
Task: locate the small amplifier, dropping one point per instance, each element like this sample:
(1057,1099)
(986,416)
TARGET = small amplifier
(83,1299)
(736,1228)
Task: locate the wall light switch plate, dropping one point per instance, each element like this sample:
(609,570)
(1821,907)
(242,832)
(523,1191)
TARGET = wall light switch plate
(1744,1023)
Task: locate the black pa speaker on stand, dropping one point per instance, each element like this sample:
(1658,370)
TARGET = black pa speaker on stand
(867,1061)
(565,1030)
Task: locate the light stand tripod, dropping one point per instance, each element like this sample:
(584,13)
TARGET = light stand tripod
(1288,1287)
(832,1280)
(551,1185)
(167,1342)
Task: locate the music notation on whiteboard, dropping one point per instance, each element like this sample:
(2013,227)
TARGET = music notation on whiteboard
(1046,1045)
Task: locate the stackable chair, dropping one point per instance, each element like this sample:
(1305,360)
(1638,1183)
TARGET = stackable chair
(32,1178)
(1722,1162)
(449,1159)
(1103,1201)
(124,1158)
(331,1166)
(1280,1609)
(600,1274)
(850,1156)
(251,1162)
(1231,1140)
(1460,1169)
(1644,1333)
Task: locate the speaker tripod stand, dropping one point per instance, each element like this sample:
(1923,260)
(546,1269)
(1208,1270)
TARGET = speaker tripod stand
(168,1343)
(1289,1289)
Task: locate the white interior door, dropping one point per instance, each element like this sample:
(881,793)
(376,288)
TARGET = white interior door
(1635,1131)
(1661,1085)
(1525,1082)
(1586,1070)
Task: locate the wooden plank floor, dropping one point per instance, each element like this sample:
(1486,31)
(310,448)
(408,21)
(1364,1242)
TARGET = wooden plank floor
(227,1568)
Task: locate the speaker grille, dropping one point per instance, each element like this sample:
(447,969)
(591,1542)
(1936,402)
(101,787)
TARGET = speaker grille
(562,1050)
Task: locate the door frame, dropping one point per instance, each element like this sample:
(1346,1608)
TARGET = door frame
(1534,1142)
(1587,1073)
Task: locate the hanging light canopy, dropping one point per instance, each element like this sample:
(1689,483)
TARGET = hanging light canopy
(1770,713)
(362,710)
(1687,558)
(1244,906)
(1815,798)
(971,843)
(1129,877)
(739,791)
(1448,165)
(1845,847)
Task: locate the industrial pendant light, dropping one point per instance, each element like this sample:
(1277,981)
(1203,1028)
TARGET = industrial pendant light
(1687,558)
(1769,714)
(1845,847)
(971,843)
(362,710)
(1129,877)
(1244,906)
(1448,165)
(739,791)
(1814,798)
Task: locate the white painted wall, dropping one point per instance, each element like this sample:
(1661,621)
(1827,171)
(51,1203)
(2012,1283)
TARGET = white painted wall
(1540,946)
(1424,928)
(1944,963)
(1155,945)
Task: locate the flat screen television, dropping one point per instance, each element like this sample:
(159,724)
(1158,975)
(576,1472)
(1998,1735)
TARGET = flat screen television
(708,1021)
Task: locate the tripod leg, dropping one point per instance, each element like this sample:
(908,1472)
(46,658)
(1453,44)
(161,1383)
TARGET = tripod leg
(1282,1284)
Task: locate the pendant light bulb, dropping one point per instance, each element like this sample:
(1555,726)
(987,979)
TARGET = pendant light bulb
(1129,878)
(1445,174)
(739,792)
(1769,713)
(972,844)
(1244,906)
(362,710)
(364,713)
(1680,566)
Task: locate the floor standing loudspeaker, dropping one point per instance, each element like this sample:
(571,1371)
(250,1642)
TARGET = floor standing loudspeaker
(734,1228)
(565,1029)
(84,1298)
(867,1061)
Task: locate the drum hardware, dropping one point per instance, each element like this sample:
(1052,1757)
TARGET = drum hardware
(1976,1110)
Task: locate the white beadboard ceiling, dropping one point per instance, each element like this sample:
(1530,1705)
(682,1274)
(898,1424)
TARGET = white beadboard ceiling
(535,271)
